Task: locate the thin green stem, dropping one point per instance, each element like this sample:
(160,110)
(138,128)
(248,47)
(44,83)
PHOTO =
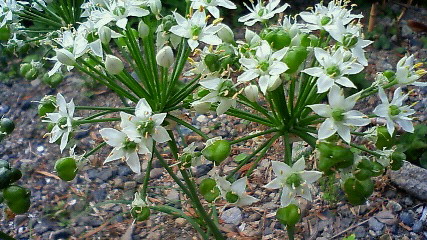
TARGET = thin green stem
(94,150)
(253,136)
(79,122)
(365,150)
(146,178)
(189,126)
(262,154)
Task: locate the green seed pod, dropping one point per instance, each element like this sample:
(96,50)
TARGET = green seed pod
(47,105)
(6,125)
(289,215)
(384,140)
(31,74)
(390,75)
(217,151)
(140,213)
(207,185)
(5,177)
(294,58)
(212,62)
(15,175)
(24,68)
(17,199)
(66,168)
(231,197)
(4,33)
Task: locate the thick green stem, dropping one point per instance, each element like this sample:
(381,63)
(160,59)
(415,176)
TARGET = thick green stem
(288,149)
(146,178)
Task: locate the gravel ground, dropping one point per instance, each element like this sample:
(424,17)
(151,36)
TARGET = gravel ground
(78,210)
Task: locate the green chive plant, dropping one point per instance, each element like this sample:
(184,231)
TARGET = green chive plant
(286,75)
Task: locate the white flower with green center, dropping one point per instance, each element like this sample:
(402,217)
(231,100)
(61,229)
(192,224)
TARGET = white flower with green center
(212,5)
(406,74)
(74,45)
(196,29)
(323,17)
(144,126)
(118,11)
(334,67)
(223,91)
(138,201)
(7,8)
(235,193)
(351,39)
(261,13)
(294,181)
(339,115)
(124,148)
(394,112)
(62,120)
(265,65)
(197,158)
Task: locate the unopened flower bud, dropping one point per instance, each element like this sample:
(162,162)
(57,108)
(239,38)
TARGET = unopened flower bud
(226,34)
(165,57)
(113,65)
(143,29)
(156,7)
(251,92)
(201,107)
(104,34)
(65,57)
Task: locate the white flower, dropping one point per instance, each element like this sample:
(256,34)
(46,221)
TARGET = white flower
(261,13)
(63,120)
(211,5)
(294,181)
(138,201)
(145,126)
(118,11)
(266,65)
(339,116)
(323,17)
(164,36)
(7,8)
(124,148)
(235,192)
(406,73)
(74,45)
(394,112)
(351,38)
(333,68)
(223,91)
(195,29)
(197,158)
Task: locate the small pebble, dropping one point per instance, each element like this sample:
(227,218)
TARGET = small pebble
(394,206)
(407,218)
(232,216)
(418,226)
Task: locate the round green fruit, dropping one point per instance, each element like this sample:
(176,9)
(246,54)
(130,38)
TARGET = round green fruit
(207,185)
(66,168)
(289,215)
(6,125)
(15,175)
(5,177)
(17,199)
(140,213)
(4,33)
(217,151)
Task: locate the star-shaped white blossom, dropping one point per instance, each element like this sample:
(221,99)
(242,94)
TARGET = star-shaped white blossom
(196,29)
(63,121)
(334,67)
(339,114)
(222,91)
(351,38)
(144,126)
(235,192)
(395,111)
(266,65)
(124,148)
(406,73)
(294,181)
(323,17)
(212,5)
(261,13)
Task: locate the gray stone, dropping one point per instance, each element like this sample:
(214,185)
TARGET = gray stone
(130,185)
(61,234)
(394,206)
(202,170)
(173,196)
(19,219)
(124,171)
(232,216)
(417,227)
(407,218)
(105,174)
(360,232)
(411,178)
(375,225)
(156,172)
